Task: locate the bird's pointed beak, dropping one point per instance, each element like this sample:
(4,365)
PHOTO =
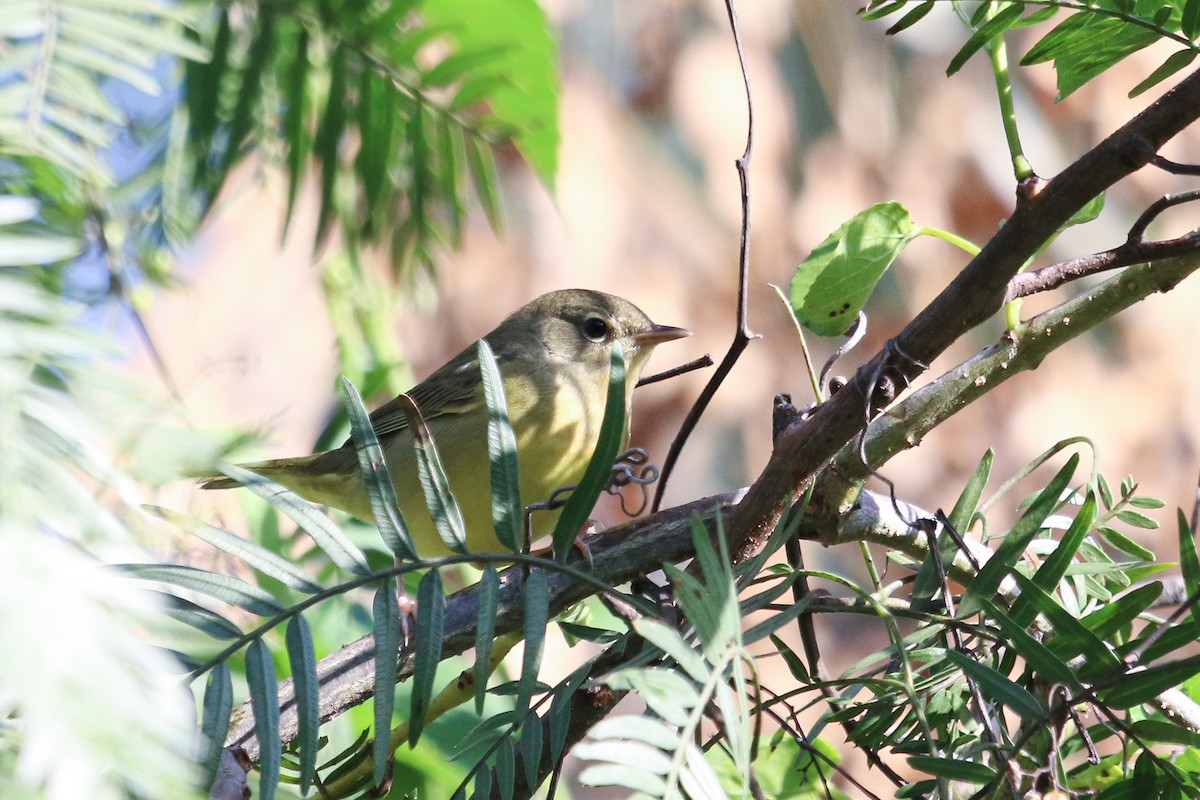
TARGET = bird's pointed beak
(658,334)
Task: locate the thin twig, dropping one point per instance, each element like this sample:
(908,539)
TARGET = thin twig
(743,335)
(1174,167)
(1138,232)
(691,366)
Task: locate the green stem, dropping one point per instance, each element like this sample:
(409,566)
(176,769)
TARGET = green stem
(965,245)
(1008,114)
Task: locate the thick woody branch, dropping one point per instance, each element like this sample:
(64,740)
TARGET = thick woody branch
(973,296)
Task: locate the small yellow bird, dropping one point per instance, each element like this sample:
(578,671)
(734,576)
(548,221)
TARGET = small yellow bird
(554,356)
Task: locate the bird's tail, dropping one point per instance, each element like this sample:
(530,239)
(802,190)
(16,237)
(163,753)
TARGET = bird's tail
(282,470)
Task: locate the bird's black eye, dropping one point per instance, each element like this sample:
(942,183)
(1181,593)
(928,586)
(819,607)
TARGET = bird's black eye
(595,329)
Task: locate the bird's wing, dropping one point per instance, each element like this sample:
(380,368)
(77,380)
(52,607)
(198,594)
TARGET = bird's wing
(456,388)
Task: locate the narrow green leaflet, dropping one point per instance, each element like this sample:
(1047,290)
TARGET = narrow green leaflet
(635,728)
(485,632)
(328,537)
(559,717)
(599,469)
(1109,619)
(537,613)
(518,40)
(431,612)
(1189,562)
(378,478)
(214,719)
(1138,687)
(257,556)
(234,591)
(502,452)
(997,687)
(833,284)
(443,508)
(926,583)
(387,645)
(1006,18)
(1056,564)
(911,18)
(264,697)
(667,639)
(506,768)
(1089,42)
(665,691)
(304,678)
(202,619)
(531,748)
(1189,24)
(988,580)
(955,769)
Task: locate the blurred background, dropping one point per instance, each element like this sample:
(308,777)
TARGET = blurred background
(646,206)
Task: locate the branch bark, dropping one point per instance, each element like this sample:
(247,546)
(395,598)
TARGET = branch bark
(974,295)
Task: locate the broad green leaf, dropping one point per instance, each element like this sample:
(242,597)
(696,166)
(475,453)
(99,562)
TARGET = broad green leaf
(264,697)
(304,678)
(502,452)
(598,474)
(431,612)
(833,284)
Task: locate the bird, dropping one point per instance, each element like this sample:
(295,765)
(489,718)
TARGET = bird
(554,357)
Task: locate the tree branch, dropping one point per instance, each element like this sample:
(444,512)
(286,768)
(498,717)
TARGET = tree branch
(973,296)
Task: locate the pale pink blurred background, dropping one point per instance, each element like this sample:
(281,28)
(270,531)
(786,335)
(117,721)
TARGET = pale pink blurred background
(646,206)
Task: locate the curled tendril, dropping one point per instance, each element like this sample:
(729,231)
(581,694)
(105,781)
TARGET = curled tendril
(633,467)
